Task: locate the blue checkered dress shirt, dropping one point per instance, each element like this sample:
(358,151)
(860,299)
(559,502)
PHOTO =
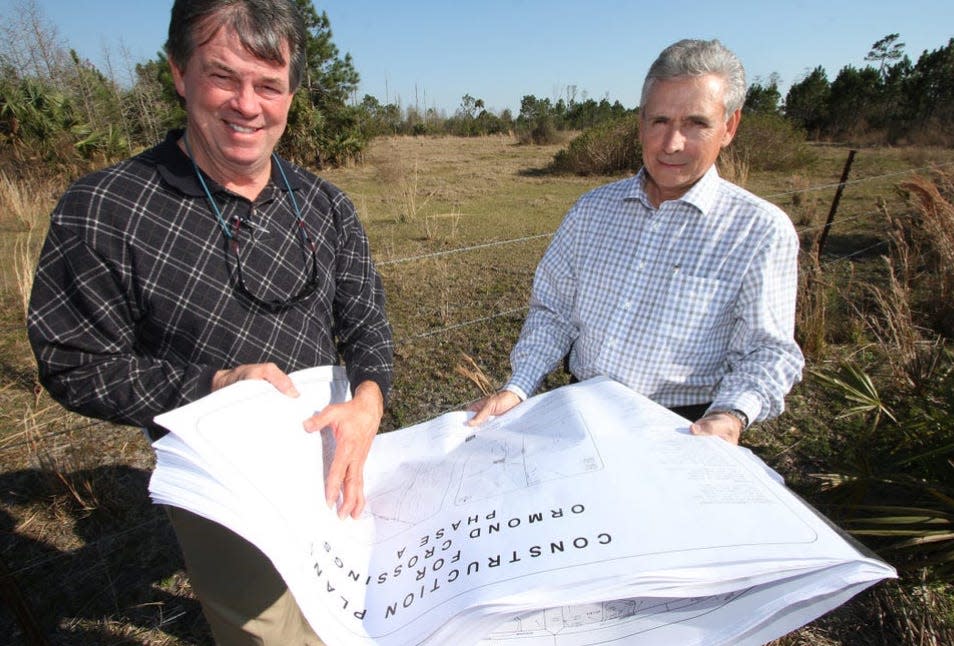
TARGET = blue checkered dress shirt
(690,303)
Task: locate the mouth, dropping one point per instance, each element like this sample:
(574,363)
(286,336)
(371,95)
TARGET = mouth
(244,130)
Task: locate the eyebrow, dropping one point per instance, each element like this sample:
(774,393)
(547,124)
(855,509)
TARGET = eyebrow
(219,65)
(662,116)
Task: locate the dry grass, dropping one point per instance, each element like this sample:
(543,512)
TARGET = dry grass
(23,218)
(469,369)
(734,166)
(98,563)
(931,237)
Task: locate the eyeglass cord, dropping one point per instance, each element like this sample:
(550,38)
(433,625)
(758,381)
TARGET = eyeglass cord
(303,231)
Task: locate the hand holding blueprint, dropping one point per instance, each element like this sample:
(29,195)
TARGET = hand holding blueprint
(585,515)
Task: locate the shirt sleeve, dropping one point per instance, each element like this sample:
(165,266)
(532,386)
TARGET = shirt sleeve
(361,325)
(549,330)
(82,328)
(764,361)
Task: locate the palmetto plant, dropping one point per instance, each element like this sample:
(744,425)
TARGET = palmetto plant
(894,488)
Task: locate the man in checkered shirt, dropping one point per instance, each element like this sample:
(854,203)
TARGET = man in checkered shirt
(674,282)
(207,260)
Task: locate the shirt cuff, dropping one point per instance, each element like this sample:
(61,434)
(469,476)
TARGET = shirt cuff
(203,383)
(516,390)
(748,403)
(382,380)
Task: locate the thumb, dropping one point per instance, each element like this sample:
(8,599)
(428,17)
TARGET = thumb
(319,420)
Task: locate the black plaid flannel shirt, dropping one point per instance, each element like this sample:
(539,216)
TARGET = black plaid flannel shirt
(135,306)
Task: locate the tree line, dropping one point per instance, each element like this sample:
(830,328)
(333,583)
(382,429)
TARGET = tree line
(60,112)
(890,101)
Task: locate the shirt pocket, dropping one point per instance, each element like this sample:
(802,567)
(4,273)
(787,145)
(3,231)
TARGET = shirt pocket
(696,311)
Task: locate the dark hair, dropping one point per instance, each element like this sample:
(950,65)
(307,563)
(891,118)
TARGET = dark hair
(263,27)
(695,58)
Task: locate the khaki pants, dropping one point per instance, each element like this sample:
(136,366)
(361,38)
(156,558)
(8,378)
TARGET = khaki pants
(243,597)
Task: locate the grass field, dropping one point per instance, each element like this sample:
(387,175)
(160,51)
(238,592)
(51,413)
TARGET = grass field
(456,227)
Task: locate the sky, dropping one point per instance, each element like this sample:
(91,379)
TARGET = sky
(430,53)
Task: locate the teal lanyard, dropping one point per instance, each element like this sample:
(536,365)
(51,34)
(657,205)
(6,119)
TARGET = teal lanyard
(302,229)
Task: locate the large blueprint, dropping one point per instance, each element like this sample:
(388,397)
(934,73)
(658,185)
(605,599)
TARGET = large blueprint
(587,515)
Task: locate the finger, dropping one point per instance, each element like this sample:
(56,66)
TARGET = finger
(477,405)
(482,414)
(707,427)
(352,496)
(278,378)
(323,418)
(333,482)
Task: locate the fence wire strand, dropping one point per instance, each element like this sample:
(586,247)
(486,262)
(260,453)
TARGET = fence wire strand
(151,523)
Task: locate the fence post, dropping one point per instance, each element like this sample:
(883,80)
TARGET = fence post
(834,204)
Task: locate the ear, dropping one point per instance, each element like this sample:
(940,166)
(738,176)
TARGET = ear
(177,78)
(731,126)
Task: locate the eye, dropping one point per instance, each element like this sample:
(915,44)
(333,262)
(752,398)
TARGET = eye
(271,90)
(220,79)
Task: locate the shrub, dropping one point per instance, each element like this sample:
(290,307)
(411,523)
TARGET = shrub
(540,132)
(768,142)
(609,148)
(892,488)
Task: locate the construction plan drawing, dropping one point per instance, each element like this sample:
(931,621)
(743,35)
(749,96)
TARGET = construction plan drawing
(586,515)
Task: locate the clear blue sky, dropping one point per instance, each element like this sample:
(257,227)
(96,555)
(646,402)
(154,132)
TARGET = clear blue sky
(432,52)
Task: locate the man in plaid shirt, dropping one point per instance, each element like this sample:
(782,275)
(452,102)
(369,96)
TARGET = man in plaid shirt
(207,260)
(674,282)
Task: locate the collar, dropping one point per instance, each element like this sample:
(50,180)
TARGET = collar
(176,169)
(701,195)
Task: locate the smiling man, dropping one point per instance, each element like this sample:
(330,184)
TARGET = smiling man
(674,282)
(209,259)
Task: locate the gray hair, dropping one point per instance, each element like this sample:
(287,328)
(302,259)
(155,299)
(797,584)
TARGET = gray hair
(696,58)
(263,27)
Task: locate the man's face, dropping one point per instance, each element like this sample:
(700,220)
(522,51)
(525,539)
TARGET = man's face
(682,129)
(237,106)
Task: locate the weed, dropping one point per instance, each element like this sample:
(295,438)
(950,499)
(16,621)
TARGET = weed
(469,369)
(930,233)
(407,185)
(811,312)
(734,166)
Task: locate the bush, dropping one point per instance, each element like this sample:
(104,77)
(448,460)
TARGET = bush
(769,142)
(609,148)
(540,132)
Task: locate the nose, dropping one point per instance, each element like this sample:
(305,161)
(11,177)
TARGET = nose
(245,100)
(673,141)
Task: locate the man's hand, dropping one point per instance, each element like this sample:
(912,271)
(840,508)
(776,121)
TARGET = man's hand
(723,425)
(496,404)
(267,371)
(354,424)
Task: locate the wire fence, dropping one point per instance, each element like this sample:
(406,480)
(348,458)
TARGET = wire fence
(34,438)
(439,331)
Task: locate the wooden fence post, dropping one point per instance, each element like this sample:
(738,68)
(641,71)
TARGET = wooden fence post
(834,204)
